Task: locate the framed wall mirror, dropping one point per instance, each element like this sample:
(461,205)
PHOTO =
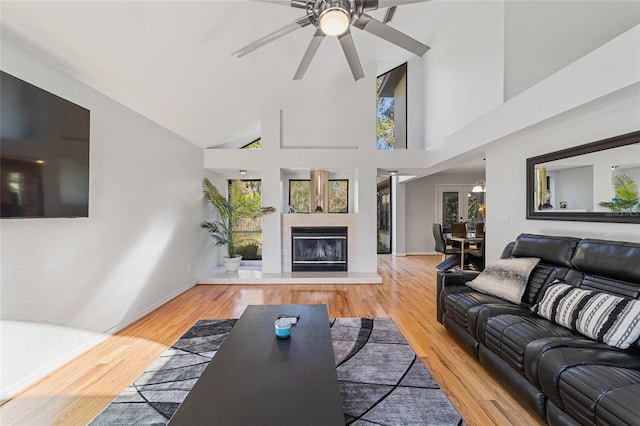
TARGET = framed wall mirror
(595,182)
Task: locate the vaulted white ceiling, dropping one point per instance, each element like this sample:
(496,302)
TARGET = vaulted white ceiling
(171,61)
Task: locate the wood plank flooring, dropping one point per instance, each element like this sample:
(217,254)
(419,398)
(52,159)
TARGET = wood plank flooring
(78,391)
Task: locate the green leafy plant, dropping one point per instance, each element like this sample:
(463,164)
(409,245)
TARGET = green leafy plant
(222,229)
(626,199)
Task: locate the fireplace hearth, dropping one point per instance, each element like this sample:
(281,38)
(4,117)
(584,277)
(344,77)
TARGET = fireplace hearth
(319,248)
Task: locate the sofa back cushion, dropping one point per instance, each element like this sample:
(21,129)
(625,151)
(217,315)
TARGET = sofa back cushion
(549,249)
(543,275)
(612,266)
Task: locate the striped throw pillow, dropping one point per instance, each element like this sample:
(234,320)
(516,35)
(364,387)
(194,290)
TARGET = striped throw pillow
(604,317)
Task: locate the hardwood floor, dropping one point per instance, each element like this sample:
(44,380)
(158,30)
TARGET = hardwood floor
(78,391)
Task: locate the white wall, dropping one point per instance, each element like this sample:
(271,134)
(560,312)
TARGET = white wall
(421,208)
(552,109)
(506,196)
(541,37)
(573,186)
(334,130)
(323,120)
(73,279)
(463,71)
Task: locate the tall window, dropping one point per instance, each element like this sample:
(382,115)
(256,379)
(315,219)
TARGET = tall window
(300,195)
(384,217)
(246,197)
(257,144)
(391,110)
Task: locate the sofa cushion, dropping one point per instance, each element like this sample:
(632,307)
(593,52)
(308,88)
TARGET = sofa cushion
(541,276)
(508,336)
(505,278)
(612,259)
(459,307)
(550,249)
(545,360)
(596,394)
(606,318)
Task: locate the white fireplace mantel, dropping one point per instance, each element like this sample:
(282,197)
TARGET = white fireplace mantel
(350,220)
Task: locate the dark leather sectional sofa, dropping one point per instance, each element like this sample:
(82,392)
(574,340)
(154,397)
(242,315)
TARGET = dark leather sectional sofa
(565,377)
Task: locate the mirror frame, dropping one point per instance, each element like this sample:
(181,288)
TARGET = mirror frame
(614,142)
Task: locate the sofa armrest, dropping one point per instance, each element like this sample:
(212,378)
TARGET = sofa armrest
(450,282)
(448,278)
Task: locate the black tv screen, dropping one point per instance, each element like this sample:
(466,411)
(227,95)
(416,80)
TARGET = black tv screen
(44,149)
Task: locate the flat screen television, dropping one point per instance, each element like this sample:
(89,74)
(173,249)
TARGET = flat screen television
(44,149)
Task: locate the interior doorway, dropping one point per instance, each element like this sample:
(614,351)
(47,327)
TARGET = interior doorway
(456,203)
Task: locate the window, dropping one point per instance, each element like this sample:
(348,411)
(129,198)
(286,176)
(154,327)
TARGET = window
(300,195)
(384,217)
(458,204)
(391,109)
(246,197)
(257,144)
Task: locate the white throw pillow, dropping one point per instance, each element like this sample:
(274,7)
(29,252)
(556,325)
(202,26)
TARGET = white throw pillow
(505,278)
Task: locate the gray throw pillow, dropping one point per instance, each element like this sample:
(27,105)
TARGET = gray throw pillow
(505,278)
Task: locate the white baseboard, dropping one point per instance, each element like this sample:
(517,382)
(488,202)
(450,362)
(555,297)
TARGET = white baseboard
(9,390)
(149,309)
(419,253)
(30,368)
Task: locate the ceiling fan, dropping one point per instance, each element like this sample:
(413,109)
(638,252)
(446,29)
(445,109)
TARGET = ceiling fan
(335,18)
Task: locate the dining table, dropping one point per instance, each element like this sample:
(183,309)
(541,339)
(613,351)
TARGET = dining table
(464,241)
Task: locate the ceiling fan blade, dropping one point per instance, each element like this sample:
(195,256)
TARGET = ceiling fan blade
(375,27)
(381,4)
(297,24)
(309,54)
(391,3)
(389,15)
(300,4)
(349,49)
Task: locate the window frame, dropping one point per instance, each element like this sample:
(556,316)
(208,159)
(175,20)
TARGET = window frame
(406,109)
(330,180)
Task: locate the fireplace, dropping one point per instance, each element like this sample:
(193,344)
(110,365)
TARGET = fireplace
(319,248)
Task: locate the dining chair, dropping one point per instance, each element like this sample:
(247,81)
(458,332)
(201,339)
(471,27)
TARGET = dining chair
(480,229)
(441,242)
(459,229)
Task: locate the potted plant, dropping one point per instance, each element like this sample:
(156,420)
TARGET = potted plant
(626,199)
(222,229)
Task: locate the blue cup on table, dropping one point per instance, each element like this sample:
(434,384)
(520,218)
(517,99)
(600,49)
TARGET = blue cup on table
(283,328)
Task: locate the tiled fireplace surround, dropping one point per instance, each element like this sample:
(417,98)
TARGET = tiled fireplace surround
(251,275)
(320,219)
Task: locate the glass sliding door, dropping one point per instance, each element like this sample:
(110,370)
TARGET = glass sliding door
(475,203)
(456,203)
(450,209)
(384,217)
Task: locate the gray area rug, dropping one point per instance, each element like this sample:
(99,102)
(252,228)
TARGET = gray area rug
(382,380)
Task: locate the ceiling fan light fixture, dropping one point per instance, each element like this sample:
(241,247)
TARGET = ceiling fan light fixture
(334,19)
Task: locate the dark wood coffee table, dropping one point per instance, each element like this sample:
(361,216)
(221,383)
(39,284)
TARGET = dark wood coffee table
(257,379)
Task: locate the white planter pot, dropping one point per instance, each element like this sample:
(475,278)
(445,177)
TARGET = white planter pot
(231,264)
